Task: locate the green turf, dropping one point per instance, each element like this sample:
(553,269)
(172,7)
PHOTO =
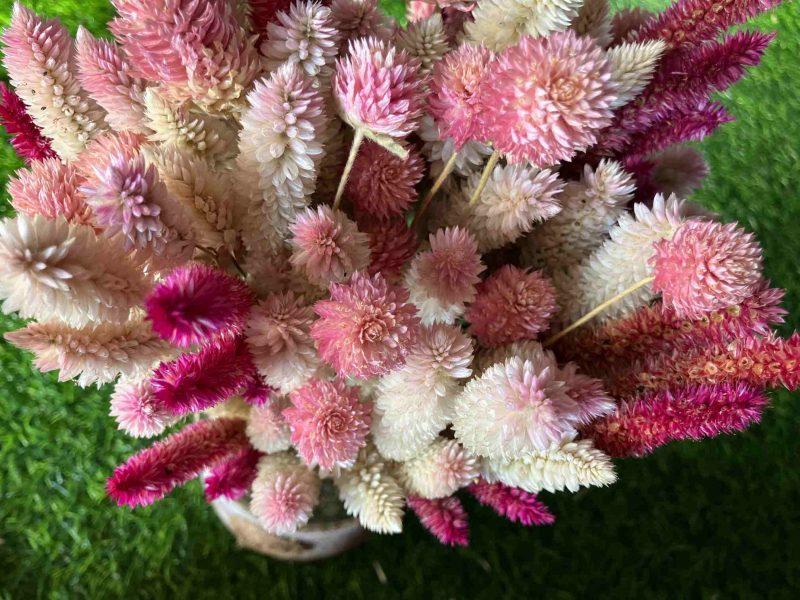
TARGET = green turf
(716,519)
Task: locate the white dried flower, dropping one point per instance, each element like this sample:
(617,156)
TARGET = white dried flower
(439,470)
(304,35)
(632,67)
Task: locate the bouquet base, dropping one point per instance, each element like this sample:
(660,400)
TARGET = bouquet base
(316,541)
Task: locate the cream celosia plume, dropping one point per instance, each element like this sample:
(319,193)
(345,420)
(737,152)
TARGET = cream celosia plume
(439,470)
(632,67)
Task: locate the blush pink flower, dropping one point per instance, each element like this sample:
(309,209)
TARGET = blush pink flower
(548,97)
(450,269)
(419,10)
(27,138)
(512,503)
(197,303)
(379,88)
(513,304)
(284,493)
(137,410)
(455,90)
(382,184)
(445,518)
(327,246)
(366,328)
(706,266)
(50,188)
(329,423)
(155,471)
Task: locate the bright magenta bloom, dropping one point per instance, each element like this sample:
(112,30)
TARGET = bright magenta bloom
(233,477)
(512,503)
(27,138)
(445,518)
(366,328)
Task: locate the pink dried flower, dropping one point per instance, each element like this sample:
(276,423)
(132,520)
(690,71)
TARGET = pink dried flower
(706,266)
(391,245)
(641,425)
(303,35)
(327,246)
(382,184)
(50,188)
(155,471)
(195,382)
(27,138)
(278,336)
(264,12)
(419,10)
(232,477)
(548,97)
(267,428)
(197,303)
(137,410)
(445,518)
(359,18)
(284,493)
(366,328)
(512,503)
(626,21)
(513,304)
(329,423)
(379,88)
(107,147)
(455,90)
(589,393)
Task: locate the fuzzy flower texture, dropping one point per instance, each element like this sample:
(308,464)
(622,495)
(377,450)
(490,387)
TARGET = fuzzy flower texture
(325,259)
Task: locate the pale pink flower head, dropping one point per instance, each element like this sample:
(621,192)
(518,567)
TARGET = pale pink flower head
(366,328)
(329,423)
(450,270)
(513,304)
(445,518)
(548,98)
(419,10)
(50,188)
(455,87)
(706,266)
(442,354)
(514,408)
(593,401)
(382,184)
(197,303)
(284,493)
(327,246)
(379,88)
(137,410)
(267,429)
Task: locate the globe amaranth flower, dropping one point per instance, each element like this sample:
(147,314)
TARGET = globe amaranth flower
(366,328)
(284,493)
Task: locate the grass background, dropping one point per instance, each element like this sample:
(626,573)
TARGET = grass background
(721,518)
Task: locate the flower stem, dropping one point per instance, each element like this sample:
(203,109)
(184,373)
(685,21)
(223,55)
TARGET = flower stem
(596,311)
(448,168)
(487,171)
(357,139)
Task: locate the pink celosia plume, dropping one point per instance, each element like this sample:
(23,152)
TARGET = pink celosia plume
(155,471)
(26,136)
(232,477)
(366,328)
(512,503)
(329,423)
(50,187)
(445,518)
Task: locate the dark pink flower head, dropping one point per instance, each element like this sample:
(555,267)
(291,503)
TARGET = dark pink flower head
(329,423)
(455,87)
(513,304)
(197,303)
(379,88)
(233,477)
(450,270)
(512,503)
(445,518)
(706,266)
(391,244)
(366,328)
(548,97)
(383,184)
(26,137)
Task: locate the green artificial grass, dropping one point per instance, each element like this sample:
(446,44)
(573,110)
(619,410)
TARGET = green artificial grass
(714,519)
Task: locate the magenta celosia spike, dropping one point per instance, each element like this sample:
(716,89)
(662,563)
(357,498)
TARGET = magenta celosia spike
(683,125)
(690,22)
(512,503)
(255,392)
(445,518)
(194,382)
(232,477)
(644,423)
(197,303)
(264,12)
(155,471)
(27,138)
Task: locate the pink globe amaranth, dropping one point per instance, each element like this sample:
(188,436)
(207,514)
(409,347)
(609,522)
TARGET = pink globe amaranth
(383,184)
(547,98)
(329,423)
(366,328)
(455,91)
(706,266)
(512,304)
(450,270)
(445,518)
(197,303)
(379,88)
(392,244)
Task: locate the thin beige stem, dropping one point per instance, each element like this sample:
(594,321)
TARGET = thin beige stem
(487,171)
(596,311)
(351,158)
(448,168)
